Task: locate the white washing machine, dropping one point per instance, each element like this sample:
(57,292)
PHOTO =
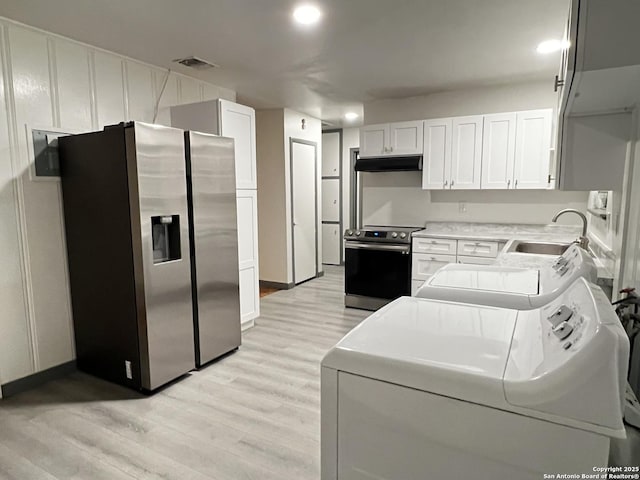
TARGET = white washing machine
(427,389)
(509,287)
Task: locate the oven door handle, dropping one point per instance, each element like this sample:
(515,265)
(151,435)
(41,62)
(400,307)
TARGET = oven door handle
(368,246)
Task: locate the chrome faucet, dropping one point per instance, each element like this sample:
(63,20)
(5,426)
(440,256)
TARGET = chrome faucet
(583,241)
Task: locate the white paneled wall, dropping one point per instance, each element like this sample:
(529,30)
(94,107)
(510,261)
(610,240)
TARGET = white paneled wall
(47,81)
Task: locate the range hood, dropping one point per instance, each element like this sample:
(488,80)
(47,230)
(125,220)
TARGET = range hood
(389,164)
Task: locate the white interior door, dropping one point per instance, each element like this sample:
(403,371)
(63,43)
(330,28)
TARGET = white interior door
(303,200)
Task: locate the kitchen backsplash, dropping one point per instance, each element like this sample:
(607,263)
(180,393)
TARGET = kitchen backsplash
(398,199)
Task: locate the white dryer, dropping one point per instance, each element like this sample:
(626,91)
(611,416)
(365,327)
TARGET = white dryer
(426,389)
(510,287)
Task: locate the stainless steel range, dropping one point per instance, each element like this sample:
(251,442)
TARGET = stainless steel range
(377,265)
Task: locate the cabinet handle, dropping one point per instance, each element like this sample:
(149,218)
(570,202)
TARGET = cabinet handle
(451,183)
(516,183)
(558,83)
(508,183)
(391,149)
(446,182)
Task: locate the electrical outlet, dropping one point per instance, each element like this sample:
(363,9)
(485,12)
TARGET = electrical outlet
(462,207)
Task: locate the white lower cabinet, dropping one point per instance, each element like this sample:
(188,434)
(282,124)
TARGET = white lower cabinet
(432,253)
(331,237)
(442,246)
(424,265)
(475,260)
(415,286)
(247,203)
(477,248)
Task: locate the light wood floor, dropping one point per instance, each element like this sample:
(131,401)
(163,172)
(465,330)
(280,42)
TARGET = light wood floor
(252,415)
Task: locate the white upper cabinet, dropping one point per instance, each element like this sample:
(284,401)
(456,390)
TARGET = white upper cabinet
(391,139)
(498,151)
(229,119)
(493,152)
(405,138)
(239,122)
(374,140)
(533,149)
(466,153)
(436,162)
(331,154)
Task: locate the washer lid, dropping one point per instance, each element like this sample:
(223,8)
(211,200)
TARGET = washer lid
(446,348)
(488,278)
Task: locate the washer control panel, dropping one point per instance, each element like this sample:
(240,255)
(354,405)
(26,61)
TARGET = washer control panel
(573,263)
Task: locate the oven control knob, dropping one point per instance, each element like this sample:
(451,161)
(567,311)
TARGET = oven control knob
(349,232)
(394,234)
(358,232)
(403,235)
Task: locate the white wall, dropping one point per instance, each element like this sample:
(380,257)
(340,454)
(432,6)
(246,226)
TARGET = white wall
(274,131)
(272,189)
(397,198)
(630,258)
(52,82)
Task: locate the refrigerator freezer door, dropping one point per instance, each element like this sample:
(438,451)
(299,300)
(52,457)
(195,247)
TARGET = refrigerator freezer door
(162,193)
(215,245)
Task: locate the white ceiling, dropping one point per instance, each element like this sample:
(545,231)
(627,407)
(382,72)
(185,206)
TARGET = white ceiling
(363,50)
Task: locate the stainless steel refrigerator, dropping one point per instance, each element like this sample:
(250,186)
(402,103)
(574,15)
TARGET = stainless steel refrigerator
(214,244)
(130,254)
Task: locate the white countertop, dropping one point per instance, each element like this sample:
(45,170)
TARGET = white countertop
(500,231)
(503,232)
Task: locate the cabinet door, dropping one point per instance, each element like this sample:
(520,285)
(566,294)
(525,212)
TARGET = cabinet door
(239,122)
(466,153)
(331,154)
(423,265)
(405,138)
(331,244)
(443,246)
(374,140)
(473,248)
(533,149)
(498,151)
(330,200)
(436,161)
(476,260)
(247,202)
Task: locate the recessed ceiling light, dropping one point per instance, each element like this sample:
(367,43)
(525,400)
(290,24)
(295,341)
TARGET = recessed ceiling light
(551,46)
(351,115)
(307,14)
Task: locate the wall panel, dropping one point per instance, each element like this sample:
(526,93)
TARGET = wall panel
(109,91)
(15,344)
(47,81)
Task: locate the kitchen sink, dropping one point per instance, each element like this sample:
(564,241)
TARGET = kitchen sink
(538,248)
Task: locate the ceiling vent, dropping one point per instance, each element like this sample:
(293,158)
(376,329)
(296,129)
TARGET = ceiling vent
(195,62)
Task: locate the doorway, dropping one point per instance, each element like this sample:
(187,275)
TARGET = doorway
(304,210)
